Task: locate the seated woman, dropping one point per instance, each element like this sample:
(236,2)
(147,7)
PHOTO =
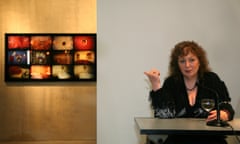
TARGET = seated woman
(190,80)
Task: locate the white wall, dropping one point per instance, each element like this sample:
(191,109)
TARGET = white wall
(137,35)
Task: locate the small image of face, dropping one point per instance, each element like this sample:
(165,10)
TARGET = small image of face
(18,42)
(84,57)
(40,72)
(84,42)
(18,72)
(62,58)
(41,42)
(17,57)
(83,72)
(40,57)
(63,43)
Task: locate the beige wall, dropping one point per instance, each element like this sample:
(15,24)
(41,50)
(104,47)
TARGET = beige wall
(48,112)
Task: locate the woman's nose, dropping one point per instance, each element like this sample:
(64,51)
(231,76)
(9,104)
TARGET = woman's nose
(187,63)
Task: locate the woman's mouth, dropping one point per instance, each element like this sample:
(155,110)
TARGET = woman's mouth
(188,71)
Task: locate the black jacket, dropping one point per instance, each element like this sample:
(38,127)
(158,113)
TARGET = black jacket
(171,100)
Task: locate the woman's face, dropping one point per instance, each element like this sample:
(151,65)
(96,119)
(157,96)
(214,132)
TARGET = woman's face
(189,65)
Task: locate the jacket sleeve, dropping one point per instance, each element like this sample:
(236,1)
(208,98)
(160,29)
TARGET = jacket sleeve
(224,101)
(162,96)
(223,94)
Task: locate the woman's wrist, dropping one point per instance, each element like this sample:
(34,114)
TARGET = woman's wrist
(156,87)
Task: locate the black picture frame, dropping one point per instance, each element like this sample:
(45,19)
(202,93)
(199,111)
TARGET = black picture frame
(50,57)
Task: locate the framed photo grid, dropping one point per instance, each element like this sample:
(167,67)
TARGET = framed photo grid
(50,57)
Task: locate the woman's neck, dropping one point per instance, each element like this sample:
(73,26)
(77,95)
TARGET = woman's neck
(190,83)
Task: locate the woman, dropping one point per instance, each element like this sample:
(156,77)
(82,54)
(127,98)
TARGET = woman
(190,80)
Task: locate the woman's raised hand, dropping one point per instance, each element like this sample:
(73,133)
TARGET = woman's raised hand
(154,77)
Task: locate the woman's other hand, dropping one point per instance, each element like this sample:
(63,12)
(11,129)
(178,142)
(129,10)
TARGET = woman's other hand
(154,77)
(213,115)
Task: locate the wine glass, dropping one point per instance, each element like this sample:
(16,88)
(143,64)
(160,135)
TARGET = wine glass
(207,104)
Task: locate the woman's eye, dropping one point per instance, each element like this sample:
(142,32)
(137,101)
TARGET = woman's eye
(182,61)
(192,60)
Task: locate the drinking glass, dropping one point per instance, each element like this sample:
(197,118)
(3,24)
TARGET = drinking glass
(208,104)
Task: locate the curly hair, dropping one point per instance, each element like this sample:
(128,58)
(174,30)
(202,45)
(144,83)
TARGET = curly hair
(182,49)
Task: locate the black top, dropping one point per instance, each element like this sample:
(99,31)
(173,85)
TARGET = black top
(171,100)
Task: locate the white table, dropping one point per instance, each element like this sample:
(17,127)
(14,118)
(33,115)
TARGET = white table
(155,126)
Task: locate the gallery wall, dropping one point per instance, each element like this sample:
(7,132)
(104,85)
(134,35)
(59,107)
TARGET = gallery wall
(136,35)
(49,112)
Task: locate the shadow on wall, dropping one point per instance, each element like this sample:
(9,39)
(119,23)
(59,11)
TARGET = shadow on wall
(237,112)
(20,137)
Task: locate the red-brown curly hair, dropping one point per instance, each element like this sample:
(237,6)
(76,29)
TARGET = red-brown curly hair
(182,49)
